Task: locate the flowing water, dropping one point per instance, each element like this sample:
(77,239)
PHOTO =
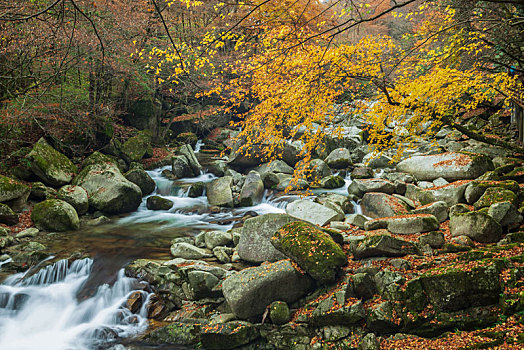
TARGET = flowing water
(80,304)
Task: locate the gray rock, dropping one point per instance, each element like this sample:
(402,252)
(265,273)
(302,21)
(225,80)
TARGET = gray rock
(450,166)
(76,196)
(440,182)
(361,186)
(451,194)
(288,183)
(187,151)
(356,220)
(181,168)
(136,147)
(339,158)
(402,177)
(438,209)
(324,315)
(363,286)
(252,190)
(219,192)
(505,213)
(108,190)
(270,180)
(159,203)
(54,168)
(332,181)
(362,172)
(279,282)
(317,170)
(213,239)
(275,166)
(477,225)
(434,239)
(201,284)
(13,193)
(291,152)
(223,254)
(379,205)
(379,162)
(197,189)
(55,215)
(381,245)
(405,224)
(188,251)
(7,215)
(314,213)
(141,178)
(30,232)
(255,239)
(340,201)
(369,342)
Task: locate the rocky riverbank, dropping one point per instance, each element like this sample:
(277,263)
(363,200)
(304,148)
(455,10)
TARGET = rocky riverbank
(381,255)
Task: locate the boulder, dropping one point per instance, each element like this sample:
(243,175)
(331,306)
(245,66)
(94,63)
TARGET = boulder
(356,220)
(379,205)
(279,312)
(362,172)
(312,249)
(335,201)
(452,193)
(76,196)
(180,167)
(361,186)
(339,158)
(219,192)
(434,239)
(332,181)
(287,182)
(213,239)
(55,215)
(201,284)
(405,224)
(494,195)
(135,147)
(252,190)
(450,166)
(477,225)
(291,152)
(188,251)
(13,193)
(251,290)
(438,209)
(327,313)
(275,166)
(159,203)
(196,189)
(316,170)
(109,191)
(7,215)
(40,192)
(99,158)
(476,189)
(141,178)
(381,245)
(229,335)
(314,213)
(255,239)
(505,213)
(54,168)
(187,151)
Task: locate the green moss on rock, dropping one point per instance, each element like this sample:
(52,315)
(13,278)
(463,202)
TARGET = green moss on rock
(55,215)
(54,168)
(313,250)
(136,147)
(279,312)
(12,189)
(494,195)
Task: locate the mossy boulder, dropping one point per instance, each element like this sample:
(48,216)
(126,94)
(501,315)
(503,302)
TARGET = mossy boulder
(476,225)
(12,192)
(54,168)
(159,203)
(476,189)
(76,196)
(332,181)
(229,335)
(136,147)
(177,333)
(197,189)
(55,215)
(312,249)
(187,138)
(7,215)
(141,178)
(457,289)
(109,191)
(494,195)
(381,245)
(279,312)
(99,158)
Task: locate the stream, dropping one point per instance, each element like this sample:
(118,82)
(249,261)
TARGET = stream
(81,304)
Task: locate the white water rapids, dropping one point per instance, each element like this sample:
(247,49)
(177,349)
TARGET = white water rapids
(42,311)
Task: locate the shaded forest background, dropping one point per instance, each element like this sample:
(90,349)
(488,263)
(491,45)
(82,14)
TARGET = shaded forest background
(83,73)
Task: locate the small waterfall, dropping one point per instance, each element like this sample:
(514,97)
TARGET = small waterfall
(198,146)
(42,311)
